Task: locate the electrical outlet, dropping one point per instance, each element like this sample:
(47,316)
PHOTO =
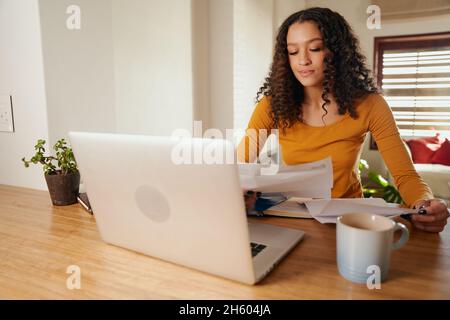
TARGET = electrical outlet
(6,114)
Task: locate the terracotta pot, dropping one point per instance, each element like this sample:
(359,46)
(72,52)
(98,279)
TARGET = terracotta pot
(63,188)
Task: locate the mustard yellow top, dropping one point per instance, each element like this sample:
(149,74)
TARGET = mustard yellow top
(342,141)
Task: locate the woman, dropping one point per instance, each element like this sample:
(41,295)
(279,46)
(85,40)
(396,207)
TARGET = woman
(321,98)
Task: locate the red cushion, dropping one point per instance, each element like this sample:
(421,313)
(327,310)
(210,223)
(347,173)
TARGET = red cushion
(423,149)
(434,140)
(442,155)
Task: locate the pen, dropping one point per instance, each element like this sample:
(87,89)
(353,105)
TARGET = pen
(421,211)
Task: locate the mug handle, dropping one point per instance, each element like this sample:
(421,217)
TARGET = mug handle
(404,237)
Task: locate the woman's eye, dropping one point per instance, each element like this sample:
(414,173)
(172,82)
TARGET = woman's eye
(314,49)
(293,53)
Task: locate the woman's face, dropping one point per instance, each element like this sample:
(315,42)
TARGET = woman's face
(306,52)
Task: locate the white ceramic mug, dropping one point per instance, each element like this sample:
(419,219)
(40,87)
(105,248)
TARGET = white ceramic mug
(365,240)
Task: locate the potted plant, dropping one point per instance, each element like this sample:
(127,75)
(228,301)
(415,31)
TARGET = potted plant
(63,178)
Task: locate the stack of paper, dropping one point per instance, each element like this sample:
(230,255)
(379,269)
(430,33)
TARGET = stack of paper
(314,179)
(312,182)
(327,210)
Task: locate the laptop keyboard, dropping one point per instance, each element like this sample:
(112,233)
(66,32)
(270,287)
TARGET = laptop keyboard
(256,248)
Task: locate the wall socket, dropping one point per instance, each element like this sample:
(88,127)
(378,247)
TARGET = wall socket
(6,114)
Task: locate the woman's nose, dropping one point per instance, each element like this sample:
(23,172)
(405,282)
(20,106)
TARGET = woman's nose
(304,59)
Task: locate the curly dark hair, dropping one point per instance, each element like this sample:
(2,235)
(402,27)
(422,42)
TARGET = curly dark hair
(345,60)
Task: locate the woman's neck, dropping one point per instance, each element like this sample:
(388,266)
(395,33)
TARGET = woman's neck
(313,97)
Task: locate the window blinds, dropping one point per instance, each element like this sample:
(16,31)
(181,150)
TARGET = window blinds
(416,85)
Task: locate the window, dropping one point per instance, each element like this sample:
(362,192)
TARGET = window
(413,73)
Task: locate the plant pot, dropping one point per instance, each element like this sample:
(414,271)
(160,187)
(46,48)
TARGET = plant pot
(63,188)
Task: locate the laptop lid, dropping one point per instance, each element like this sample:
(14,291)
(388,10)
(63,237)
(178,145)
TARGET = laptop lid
(189,214)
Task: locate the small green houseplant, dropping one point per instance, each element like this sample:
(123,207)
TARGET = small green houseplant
(378,186)
(60,171)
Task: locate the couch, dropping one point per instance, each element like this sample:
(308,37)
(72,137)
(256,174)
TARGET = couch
(436,175)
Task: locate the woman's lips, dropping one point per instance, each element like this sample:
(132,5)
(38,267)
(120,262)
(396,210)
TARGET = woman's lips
(306,73)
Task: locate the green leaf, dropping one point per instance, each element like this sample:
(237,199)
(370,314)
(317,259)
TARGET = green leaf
(64,158)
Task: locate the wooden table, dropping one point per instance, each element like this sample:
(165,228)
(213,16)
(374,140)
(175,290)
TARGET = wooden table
(38,242)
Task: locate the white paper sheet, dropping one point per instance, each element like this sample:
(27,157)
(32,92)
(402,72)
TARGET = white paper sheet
(327,210)
(314,179)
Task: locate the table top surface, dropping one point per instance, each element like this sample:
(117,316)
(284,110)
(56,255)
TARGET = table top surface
(38,242)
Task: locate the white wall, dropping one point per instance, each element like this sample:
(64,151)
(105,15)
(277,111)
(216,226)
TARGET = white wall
(283,9)
(128,69)
(152,65)
(22,76)
(200,30)
(221,63)
(252,54)
(78,67)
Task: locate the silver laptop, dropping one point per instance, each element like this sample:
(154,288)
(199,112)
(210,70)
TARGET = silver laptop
(188,214)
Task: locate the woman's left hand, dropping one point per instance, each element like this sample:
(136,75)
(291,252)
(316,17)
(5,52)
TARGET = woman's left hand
(436,217)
